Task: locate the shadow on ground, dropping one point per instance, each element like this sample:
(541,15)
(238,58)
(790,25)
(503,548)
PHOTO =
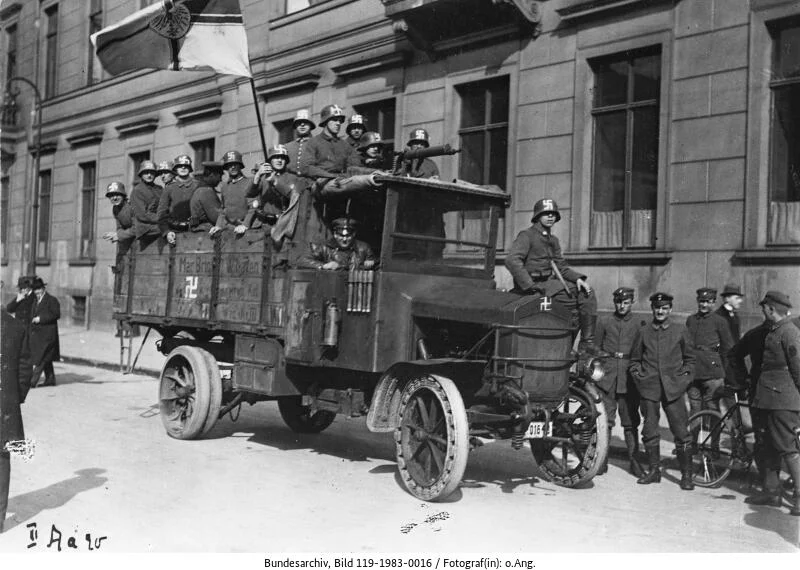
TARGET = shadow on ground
(29,505)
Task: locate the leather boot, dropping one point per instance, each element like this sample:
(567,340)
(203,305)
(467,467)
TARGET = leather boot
(586,347)
(685,462)
(653,475)
(793,465)
(633,448)
(771,495)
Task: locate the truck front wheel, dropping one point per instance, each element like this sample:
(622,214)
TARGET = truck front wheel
(432,440)
(185,392)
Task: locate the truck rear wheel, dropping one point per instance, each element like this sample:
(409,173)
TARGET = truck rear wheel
(185,391)
(432,440)
(581,421)
(301,419)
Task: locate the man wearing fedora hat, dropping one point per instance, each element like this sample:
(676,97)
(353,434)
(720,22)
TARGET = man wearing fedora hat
(732,299)
(44,334)
(22,308)
(777,398)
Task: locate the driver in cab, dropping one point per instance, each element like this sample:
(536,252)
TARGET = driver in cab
(342,252)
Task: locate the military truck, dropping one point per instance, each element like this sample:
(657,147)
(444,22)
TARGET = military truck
(423,345)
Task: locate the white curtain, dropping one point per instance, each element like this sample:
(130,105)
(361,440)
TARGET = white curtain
(784,222)
(607,228)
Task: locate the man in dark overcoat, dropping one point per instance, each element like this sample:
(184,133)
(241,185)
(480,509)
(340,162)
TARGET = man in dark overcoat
(13,337)
(22,308)
(662,366)
(44,334)
(615,334)
(732,299)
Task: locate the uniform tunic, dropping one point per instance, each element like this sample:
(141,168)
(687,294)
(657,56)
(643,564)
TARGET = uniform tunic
(615,335)
(174,208)
(662,361)
(144,203)
(297,154)
(420,168)
(530,255)
(235,194)
(205,206)
(123,215)
(711,341)
(350,258)
(327,156)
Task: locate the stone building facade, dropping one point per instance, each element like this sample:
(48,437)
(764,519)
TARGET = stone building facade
(668,131)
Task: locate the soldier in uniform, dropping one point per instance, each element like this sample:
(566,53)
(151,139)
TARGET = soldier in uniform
(729,309)
(236,192)
(303,125)
(329,159)
(420,167)
(124,235)
(371,149)
(145,198)
(22,309)
(711,342)
(615,334)
(174,206)
(165,172)
(206,202)
(777,397)
(11,380)
(662,364)
(343,252)
(355,129)
(282,196)
(537,266)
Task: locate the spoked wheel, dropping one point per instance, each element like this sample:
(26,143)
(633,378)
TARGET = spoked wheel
(301,419)
(215,392)
(185,391)
(579,423)
(432,440)
(713,458)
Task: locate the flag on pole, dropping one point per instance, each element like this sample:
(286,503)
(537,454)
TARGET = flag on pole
(196,35)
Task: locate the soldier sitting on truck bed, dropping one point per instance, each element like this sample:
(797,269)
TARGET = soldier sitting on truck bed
(144,202)
(343,252)
(420,167)
(206,203)
(279,193)
(236,193)
(173,208)
(123,215)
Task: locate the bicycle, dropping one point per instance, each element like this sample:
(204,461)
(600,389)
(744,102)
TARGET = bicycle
(722,443)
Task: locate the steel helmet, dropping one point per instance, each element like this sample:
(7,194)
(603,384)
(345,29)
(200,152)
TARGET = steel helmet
(165,166)
(116,188)
(147,166)
(232,156)
(420,136)
(543,206)
(356,121)
(278,150)
(345,226)
(368,139)
(329,112)
(303,115)
(182,160)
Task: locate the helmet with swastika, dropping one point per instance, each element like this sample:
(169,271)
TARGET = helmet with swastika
(545,206)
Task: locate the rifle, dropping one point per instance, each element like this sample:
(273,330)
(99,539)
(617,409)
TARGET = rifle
(403,156)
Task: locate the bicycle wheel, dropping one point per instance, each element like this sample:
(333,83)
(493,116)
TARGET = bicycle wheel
(714,442)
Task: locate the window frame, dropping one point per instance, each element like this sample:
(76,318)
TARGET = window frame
(50,67)
(378,104)
(42,223)
(280,127)
(583,155)
(200,152)
(11,54)
(5,203)
(88,253)
(93,63)
(135,158)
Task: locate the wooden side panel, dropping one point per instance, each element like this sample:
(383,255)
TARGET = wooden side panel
(244,264)
(192,281)
(150,284)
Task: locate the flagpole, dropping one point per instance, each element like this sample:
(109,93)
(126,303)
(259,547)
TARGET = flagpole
(258,117)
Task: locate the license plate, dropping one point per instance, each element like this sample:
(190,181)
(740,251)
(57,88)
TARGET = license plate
(539,430)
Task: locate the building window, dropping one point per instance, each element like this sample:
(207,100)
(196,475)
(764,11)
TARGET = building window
(51,51)
(5,193)
(784,193)
(625,114)
(94,70)
(43,231)
(11,52)
(285,130)
(203,151)
(137,158)
(88,193)
(379,117)
(483,137)
(78,310)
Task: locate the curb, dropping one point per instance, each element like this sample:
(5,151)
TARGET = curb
(108,365)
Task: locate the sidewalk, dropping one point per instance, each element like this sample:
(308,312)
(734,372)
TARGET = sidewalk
(102,349)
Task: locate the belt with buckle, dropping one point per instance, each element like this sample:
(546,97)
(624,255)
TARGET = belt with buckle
(620,355)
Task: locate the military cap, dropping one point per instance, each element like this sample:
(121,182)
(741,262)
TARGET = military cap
(731,289)
(165,166)
(706,294)
(776,298)
(660,299)
(545,206)
(38,283)
(303,116)
(622,293)
(24,282)
(116,188)
(345,226)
